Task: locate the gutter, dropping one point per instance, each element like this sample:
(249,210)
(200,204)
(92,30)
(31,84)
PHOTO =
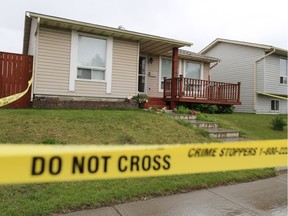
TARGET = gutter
(255,70)
(274,96)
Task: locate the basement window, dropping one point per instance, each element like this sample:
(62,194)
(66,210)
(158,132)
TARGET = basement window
(274,105)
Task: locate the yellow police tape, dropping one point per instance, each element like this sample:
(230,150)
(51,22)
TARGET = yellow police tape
(43,163)
(9,99)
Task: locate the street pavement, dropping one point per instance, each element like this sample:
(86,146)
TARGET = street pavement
(261,197)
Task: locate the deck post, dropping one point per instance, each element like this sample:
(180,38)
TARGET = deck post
(173,77)
(238,96)
(181,86)
(164,88)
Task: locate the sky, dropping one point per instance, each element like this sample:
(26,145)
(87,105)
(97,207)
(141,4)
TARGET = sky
(196,21)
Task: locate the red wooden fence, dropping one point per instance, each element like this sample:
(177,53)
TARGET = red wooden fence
(15,72)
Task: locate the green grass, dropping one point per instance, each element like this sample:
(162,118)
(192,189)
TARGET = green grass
(251,126)
(46,199)
(114,127)
(93,127)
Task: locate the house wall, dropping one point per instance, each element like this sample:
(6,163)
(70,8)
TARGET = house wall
(206,70)
(272,76)
(53,62)
(264,105)
(260,75)
(153,78)
(237,65)
(53,68)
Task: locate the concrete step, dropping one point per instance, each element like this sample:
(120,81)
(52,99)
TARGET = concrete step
(223,133)
(204,124)
(184,117)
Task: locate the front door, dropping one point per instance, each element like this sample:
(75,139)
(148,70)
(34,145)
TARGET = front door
(142,75)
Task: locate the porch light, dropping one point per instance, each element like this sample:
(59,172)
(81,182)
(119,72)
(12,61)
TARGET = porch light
(151,60)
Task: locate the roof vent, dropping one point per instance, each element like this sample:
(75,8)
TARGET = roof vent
(121,27)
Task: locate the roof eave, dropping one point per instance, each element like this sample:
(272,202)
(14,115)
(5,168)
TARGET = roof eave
(127,33)
(267,48)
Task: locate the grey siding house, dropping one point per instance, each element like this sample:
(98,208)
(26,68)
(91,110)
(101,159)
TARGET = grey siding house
(261,69)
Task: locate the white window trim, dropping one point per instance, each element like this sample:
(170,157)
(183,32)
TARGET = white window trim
(280,71)
(201,70)
(275,111)
(73,61)
(160,70)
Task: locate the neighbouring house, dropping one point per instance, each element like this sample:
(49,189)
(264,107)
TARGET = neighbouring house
(84,65)
(261,69)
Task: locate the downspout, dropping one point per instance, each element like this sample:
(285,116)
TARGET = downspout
(35,63)
(214,65)
(255,70)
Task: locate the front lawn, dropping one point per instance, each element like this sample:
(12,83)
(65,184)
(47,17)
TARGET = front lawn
(92,127)
(113,127)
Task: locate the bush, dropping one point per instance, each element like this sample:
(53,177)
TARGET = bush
(278,123)
(182,110)
(206,108)
(225,109)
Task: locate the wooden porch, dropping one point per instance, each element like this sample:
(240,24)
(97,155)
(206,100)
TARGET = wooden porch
(201,91)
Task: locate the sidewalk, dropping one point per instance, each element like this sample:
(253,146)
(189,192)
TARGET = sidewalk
(262,197)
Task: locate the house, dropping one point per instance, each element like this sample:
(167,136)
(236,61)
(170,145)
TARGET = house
(85,65)
(261,69)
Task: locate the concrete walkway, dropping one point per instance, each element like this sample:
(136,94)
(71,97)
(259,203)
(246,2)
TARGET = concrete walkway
(262,197)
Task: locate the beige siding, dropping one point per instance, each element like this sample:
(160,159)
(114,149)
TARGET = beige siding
(237,65)
(53,68)
(53,62)
(153,78)
(206,70)
(125,74)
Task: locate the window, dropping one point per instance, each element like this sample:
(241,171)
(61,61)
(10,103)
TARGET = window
(283,71)
(274,105)
(166,69)
(192,70)
(91,58)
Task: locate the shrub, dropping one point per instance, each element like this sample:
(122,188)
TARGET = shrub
(225,109)
(206,108)
(182,110)
(278,123)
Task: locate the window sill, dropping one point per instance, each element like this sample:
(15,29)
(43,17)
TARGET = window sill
(93,80)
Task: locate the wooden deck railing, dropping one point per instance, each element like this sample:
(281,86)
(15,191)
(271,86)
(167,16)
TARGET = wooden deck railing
(189,89)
